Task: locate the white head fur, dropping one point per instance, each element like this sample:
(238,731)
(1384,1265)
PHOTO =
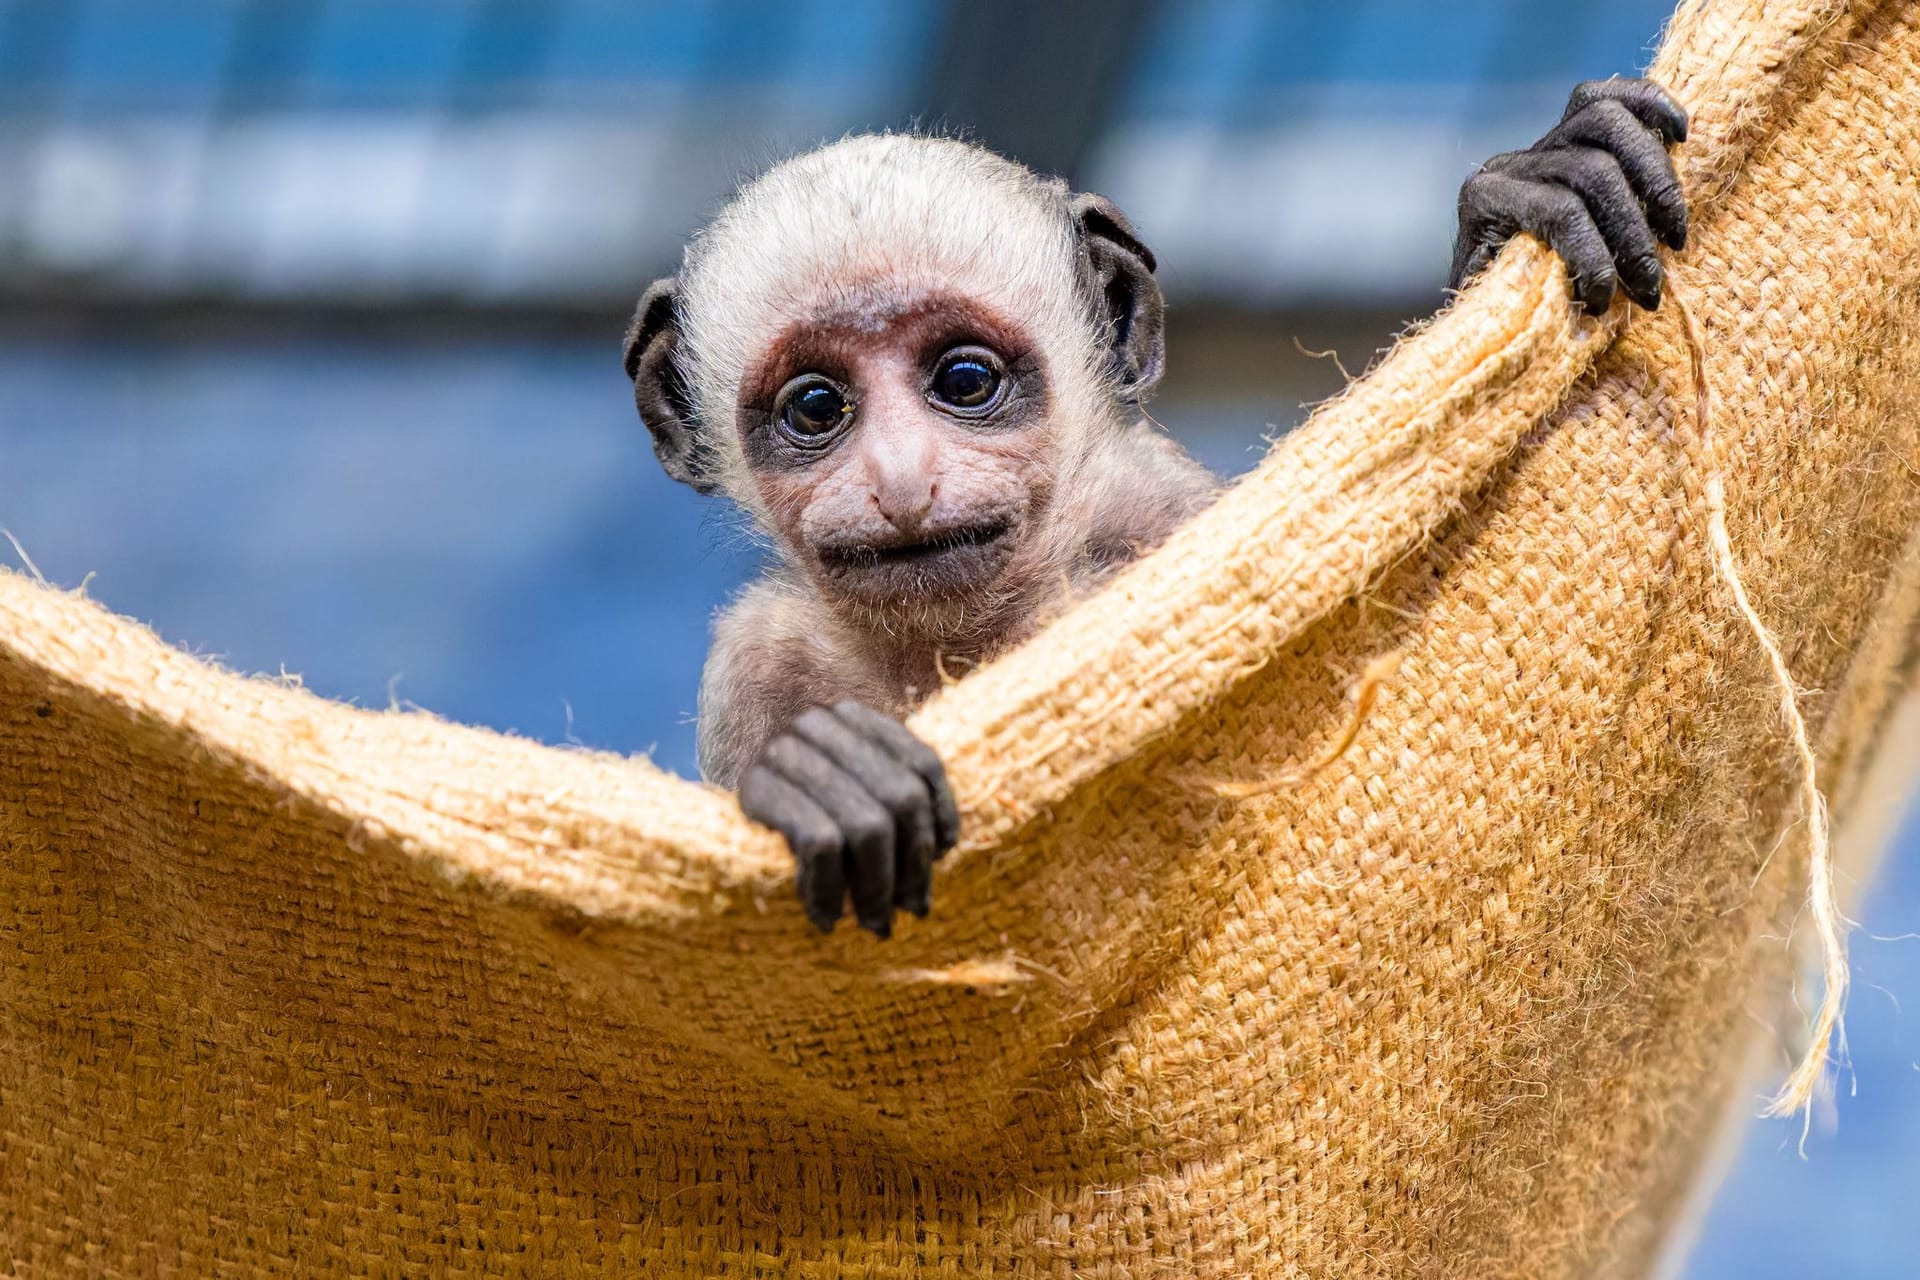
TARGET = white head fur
(913,211)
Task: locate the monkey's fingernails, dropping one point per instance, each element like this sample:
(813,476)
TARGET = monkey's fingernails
(819,914)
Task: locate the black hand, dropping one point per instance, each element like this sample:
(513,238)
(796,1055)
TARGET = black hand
(1600,188)
(864,806)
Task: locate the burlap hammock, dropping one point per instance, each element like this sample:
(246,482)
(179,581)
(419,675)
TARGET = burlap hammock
(290,986)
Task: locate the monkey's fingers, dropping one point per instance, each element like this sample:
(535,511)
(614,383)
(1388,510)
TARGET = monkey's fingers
(915,755)
(1596,177)
(1556,215)
(772,801)
(902,792)
(866,828)
(1471,254)
(1655,107)
(1610,126)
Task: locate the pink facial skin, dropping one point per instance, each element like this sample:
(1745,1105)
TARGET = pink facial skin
(909,497)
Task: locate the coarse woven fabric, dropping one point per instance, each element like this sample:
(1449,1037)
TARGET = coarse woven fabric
(294,987)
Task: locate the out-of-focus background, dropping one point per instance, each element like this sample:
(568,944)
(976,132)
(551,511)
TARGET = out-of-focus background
(310,316)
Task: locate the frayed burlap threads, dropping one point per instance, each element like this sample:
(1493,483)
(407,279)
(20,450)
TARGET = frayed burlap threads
(297,988)
(1366,692)
(1809,1073)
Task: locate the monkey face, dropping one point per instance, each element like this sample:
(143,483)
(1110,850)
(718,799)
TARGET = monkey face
(899,448)
(906,357)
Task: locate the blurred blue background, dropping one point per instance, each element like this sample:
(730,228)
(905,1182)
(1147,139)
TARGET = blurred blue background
(310,312)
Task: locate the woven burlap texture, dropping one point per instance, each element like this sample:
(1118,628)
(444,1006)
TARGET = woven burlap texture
(296,987)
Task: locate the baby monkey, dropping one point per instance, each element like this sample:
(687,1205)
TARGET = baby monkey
(921,369)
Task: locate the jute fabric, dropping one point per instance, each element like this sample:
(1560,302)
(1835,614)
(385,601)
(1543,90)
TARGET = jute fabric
(292,987)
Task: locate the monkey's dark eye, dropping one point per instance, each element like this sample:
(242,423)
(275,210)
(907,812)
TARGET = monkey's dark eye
(968,378)
(811,409)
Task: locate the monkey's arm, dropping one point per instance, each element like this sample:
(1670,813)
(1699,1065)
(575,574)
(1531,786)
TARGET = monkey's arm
(863,804)
(1599,188)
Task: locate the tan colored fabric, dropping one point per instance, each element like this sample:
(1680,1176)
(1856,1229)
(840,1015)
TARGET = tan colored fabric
(292,987)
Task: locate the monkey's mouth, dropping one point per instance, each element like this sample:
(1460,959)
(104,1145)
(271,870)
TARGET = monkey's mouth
(945,560)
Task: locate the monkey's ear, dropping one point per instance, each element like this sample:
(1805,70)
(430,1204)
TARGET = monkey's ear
(659,385)
(1119,268)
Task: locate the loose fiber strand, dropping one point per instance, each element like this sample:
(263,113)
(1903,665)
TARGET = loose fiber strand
(1365,694)
(1829,1022)
(26,559)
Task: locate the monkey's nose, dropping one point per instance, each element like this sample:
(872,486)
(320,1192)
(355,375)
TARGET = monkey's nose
(906,503)
(902,460)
